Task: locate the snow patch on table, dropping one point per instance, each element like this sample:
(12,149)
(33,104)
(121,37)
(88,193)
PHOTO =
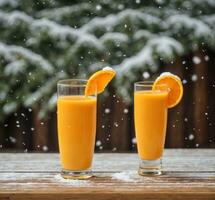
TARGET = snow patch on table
(78,183)
(13,176)
(128,176)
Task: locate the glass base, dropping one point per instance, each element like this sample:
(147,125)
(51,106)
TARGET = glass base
(150,167)
(79,175)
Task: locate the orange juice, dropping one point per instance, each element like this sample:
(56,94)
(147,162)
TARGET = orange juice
(76,131)
(150,114)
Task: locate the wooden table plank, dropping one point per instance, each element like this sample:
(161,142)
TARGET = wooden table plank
(189,174)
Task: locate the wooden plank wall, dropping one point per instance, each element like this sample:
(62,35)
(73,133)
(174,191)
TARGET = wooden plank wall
(190,124)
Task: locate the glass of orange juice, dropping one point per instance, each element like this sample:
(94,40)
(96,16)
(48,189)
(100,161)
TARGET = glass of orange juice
(150,115)
(76,118)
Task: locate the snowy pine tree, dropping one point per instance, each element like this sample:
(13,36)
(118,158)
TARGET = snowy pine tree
(46,40)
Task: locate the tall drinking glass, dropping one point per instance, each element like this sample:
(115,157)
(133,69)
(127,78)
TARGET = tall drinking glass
(150,114)
(76,116)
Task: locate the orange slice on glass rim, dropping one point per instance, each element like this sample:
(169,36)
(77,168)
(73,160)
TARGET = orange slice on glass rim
(173,84)
(99,80)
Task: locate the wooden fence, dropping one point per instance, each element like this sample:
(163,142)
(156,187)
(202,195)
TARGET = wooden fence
(190,124)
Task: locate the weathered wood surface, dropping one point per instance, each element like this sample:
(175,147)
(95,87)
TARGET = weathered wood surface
(189,174)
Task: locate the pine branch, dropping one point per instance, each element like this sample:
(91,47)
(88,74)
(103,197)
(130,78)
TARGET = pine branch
(12,53)
(108,23)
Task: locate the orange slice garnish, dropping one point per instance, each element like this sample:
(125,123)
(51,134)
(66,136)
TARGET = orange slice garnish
(174,86)
(99,80)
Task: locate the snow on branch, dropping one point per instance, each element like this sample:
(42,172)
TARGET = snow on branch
(209,19)
(57,14)
(12,53)
(181,22)
(11,3)
(44,90)
(63,32)
(162,46)
(15,67)
(115,37)
(48,105)
(89,40)
(143,34)
(10,107)
(138,61)
(54,30)
(166,47)
(12,18)
(52,101)
(203,3)
(110,21)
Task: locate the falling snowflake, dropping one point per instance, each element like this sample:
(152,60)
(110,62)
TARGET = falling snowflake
(100,147)
(103,126)
(107,110)
(207,58)
(116,124)
(98,143)
(185,119)
(134,140)
(32,128)
(146,75)
(12,139)
(125,110)
(184,81)
(197,145)
(98,7)
(196,60)
(45,148)
(114,149)
(191,137)
(121,6)
(194,77)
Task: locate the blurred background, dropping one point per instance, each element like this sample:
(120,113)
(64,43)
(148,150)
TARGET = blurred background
(43,41)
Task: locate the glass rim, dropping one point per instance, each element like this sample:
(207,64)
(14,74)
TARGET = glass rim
(149,85)
(72,82)
(144,83)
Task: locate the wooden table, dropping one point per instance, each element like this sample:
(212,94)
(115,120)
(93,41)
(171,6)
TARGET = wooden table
(189,174)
